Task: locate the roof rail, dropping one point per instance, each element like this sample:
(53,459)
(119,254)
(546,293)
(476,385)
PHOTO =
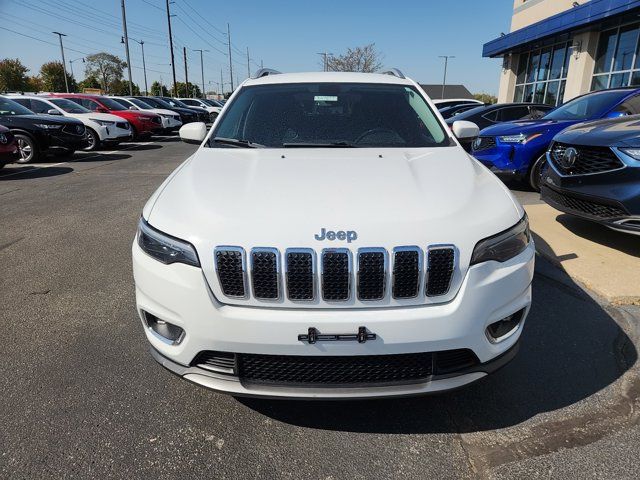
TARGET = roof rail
(395,72)
(263,72)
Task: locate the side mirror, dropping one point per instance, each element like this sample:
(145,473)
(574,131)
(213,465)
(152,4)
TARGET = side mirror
(194,132)
(133,108)
(102,110)
(465,131)
(53,111)
(616,114)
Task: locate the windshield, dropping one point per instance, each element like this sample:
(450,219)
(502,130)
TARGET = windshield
(111,104)
(331,114)
(139,103)
(211,103)
(157,102)
(9,107)
(123,102)
(175,103)
(68,106)
(588,106)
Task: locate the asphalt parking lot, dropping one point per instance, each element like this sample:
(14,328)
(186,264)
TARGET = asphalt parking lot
(82,398)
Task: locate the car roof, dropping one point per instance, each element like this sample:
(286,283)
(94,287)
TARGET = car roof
(330,77)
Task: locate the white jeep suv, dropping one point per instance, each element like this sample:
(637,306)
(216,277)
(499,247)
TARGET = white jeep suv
(331,238)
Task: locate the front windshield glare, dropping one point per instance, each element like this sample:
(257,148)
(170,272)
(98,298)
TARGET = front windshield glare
(111,104)
(330,114)
(9,107)
(69,106)
(586,107)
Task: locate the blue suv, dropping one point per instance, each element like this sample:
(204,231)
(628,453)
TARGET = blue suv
(518,149)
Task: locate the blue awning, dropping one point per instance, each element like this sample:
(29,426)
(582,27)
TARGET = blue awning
(577,17)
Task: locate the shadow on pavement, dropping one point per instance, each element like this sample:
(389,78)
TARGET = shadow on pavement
(597,233)
(570,350)
(101,157)
(21,173)
(143,147)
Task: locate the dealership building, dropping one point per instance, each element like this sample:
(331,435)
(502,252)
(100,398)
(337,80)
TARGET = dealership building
(558,49)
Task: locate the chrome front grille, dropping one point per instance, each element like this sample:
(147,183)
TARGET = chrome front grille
(587,160)
(335,275)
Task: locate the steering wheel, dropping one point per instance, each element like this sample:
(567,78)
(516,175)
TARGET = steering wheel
(373,131)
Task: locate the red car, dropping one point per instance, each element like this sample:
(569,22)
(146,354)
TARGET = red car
(8,147)
(143,124)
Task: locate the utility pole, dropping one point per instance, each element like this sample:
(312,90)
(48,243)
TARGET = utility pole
(325,58)
(248,66)
(261,64)
(230,61)
(126,45)
(186,75)
(221,83)
(444,80)
(201,69)
(173,63)
(64,63)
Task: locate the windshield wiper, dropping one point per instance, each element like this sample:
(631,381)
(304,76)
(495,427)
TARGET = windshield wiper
(237,143)
(319,145)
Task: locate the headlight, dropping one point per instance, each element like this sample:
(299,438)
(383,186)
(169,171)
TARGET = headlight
(104,123)
(632,152)
(164,248)
(503,246)
(47,126)
(520,138)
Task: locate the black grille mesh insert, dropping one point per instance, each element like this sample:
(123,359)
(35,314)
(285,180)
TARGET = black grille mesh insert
(371,275)
(450,361)
(300,275)
(230,272)
(264,274)
(589,159)
(335,276)
(406,271)
(580,206)
(440,264)
(334,370)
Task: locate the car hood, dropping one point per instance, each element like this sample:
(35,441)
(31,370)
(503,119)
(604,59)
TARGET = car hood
(526,126)
(50,119)
(160,111)
(282,197)
(106,117)
(623,132)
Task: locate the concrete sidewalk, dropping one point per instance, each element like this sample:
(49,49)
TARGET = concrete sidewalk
(605,261)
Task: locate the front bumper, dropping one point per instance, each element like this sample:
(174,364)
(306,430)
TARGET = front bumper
(113,134)
(64,140)
(179,294)
(510,160)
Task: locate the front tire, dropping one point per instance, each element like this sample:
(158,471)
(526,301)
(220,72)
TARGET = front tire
(534,177)
(28,148)
(93,139)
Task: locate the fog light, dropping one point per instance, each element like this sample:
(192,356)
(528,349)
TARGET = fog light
(167,332)
(503,329)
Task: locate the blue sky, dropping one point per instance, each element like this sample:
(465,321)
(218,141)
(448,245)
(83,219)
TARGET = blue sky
(286,35)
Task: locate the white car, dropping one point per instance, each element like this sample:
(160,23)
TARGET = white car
(170,120)
(331,238)
(102,129)
(213,109)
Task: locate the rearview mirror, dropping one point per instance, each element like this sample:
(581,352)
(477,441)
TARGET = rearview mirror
(465,131)
(194,132)
(53,111)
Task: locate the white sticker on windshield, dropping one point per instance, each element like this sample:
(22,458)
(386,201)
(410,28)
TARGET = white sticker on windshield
(325,98)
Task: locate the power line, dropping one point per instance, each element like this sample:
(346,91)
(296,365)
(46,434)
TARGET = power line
(200,26)
(204,19)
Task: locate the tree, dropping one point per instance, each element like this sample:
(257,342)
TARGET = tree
(158,89)
(121,87)
(35,84)
(13,75)
(485,98)
(52,77)
(360,59)
(188,90)
(89,82)
(105,67)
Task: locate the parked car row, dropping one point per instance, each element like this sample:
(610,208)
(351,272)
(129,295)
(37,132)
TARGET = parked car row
(61,123)
(583,156)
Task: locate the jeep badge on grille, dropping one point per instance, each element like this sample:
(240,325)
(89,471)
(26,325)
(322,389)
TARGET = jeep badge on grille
(349,235)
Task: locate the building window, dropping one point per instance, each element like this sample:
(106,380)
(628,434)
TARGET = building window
(542,75)
(617,62)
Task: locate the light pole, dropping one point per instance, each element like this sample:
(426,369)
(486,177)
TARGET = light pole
(71,64)
(325,57)
(126,45)
(230,60)
(144,66)
(446,61)
(64,63)
(201,68)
